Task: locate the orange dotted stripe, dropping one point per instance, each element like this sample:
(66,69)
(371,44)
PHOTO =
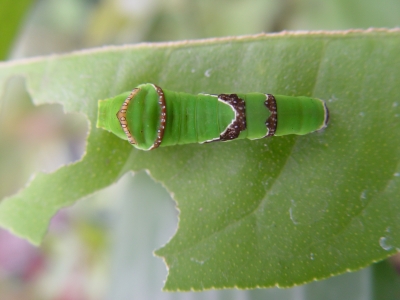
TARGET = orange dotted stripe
(272,121)
(121,115)
(163,117)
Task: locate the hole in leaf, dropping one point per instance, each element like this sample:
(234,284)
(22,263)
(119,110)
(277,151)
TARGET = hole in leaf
(35,138)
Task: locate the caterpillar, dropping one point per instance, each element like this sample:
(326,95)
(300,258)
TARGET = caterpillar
(150,117)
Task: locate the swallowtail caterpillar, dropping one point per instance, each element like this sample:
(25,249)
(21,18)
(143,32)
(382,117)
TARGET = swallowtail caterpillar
(151,117)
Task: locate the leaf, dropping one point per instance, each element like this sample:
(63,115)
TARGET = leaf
(143,225)
(11,15)
(280,211)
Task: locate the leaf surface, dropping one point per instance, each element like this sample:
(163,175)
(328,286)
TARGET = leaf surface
(279,211)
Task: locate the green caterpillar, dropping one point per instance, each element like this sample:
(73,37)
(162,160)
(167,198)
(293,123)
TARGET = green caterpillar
(150,117)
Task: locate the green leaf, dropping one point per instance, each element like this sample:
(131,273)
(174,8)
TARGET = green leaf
(11,15)
(143,225)
(280,211)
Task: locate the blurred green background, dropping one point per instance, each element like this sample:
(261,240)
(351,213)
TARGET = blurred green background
(101,248)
